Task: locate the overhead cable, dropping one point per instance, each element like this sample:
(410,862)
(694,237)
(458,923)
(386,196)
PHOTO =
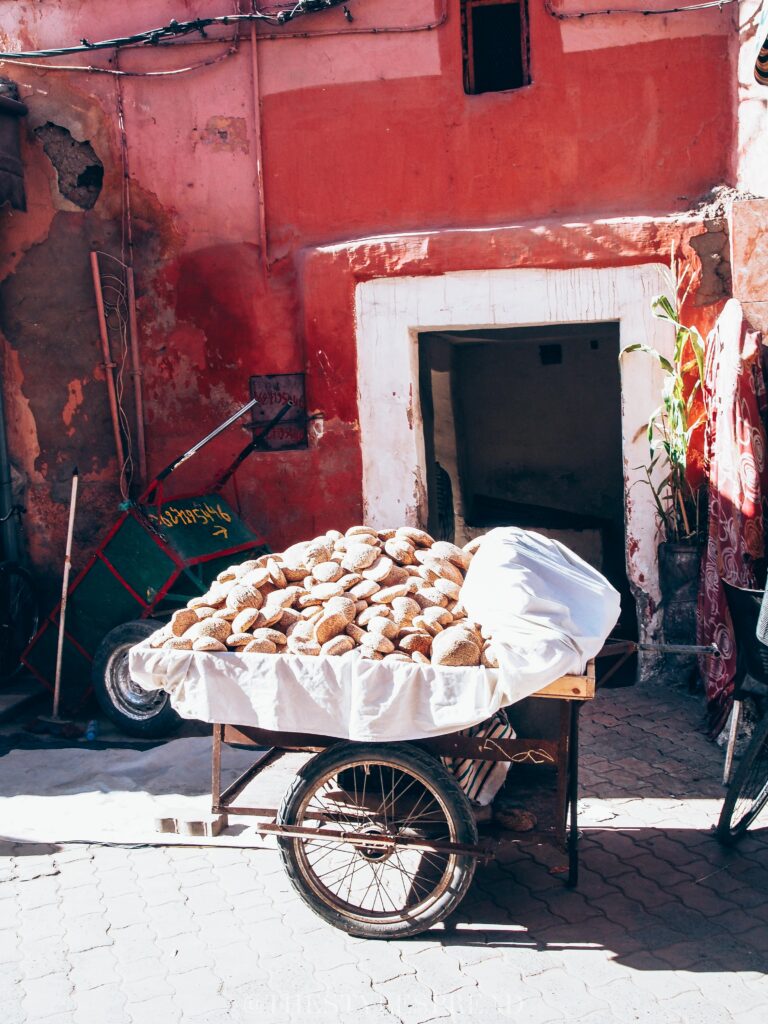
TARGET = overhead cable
(568,15)
(177,29)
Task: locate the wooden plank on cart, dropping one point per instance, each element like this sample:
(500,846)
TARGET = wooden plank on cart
(572,687)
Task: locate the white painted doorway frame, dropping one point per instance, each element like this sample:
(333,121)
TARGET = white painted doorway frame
(391,312)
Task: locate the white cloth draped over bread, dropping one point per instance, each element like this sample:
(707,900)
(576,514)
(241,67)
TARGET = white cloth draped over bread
(549,612)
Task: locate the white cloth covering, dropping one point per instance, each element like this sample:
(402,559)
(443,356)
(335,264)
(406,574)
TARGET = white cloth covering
(548,610)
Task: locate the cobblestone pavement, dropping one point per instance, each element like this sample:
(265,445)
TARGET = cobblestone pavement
(664,927)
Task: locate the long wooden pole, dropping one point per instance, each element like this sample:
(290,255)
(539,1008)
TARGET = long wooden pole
(109,366)
(64,590)
(137,373)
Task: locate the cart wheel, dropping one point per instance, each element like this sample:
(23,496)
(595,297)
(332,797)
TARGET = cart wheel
(378,789)
(134,711)
(748,793)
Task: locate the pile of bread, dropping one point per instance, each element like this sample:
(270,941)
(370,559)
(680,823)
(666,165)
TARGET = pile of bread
(390,595)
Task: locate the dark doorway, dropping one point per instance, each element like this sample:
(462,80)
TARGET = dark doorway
(523,427)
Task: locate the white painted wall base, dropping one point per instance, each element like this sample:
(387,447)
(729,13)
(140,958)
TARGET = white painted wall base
(392,311)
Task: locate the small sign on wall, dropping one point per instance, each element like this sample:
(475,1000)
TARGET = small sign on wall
(272,392)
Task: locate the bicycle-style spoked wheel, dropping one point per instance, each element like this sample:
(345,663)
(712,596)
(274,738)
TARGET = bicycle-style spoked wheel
(748,793)
(379,791)
(18,616)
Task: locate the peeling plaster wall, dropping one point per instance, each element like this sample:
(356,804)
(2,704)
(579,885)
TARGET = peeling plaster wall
(361,134)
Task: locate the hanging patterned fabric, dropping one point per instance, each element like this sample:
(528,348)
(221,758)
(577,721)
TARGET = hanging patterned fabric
(735,451)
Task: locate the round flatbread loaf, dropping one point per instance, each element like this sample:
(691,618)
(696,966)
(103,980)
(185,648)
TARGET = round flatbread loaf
(255,577)
(243,596)
(359,557)
(273,635)
(238,639)
(361,531)
(338,645)
(388,594)
(404,609)
(421,642)
(329,626)
(355,632)
(383,626)
(208,643)
(327,572)
(216,627)
(397,575)
(364,590)
(325,591)
(260,647)
(317,551)
(178,643)
(276,574)
(345,605)
(181,620)
(418,538)
(455,554)
(310,648)
(400,551)
(452,647)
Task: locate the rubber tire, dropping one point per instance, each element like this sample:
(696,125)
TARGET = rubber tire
(165,721)
(727,835)
(410,757)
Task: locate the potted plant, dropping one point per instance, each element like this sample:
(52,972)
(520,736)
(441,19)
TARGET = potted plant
(675,472)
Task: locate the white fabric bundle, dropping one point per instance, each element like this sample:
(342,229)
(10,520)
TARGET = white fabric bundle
(548,611)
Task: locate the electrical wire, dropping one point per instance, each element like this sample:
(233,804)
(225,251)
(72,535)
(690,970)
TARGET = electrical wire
(177,29)
(568,15)
(95,70)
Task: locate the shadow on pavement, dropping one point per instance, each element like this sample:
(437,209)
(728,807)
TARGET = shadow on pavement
(655,899)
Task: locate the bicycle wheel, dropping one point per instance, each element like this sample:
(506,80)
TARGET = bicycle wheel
(19,615)
(748,793)
(381,791)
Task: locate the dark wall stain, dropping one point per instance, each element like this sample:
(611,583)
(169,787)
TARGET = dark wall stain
(215,292)
(48,315)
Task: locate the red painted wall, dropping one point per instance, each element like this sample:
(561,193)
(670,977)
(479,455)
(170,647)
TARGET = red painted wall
(362,135)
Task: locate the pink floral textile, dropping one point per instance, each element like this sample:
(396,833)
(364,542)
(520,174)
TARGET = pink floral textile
(735,453)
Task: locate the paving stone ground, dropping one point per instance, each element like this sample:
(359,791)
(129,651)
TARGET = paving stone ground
(665,926)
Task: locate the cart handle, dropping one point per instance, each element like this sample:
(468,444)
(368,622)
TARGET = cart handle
(254,445)
(195,449)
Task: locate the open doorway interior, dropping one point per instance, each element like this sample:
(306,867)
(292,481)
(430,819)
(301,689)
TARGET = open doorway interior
(522,427)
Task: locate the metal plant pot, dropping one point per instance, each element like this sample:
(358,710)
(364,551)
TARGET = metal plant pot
(679,582)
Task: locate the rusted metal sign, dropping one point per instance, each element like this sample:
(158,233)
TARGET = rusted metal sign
(272,392)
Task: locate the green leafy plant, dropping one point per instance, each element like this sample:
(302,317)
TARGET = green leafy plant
(680,504)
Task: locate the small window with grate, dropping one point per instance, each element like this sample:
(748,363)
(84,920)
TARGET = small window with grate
(495,45)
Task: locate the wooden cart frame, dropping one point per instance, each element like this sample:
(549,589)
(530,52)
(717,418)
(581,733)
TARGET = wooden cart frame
(546,750)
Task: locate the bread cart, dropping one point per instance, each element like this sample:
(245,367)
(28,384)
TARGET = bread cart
(379,838)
